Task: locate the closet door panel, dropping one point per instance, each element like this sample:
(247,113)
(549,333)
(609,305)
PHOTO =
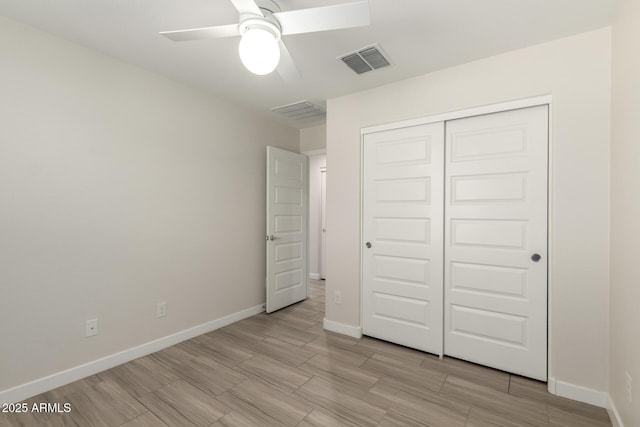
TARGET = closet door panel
(402,236)
(496,240)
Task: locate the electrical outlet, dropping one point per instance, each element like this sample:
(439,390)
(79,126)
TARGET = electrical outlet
(161,309)
(629,387)
(91,328)
(337,297)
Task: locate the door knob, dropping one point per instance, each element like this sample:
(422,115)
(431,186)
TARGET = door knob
(535,257)
(368,244)
(272,238)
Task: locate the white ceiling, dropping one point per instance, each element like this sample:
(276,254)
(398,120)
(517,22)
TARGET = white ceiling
(418,35)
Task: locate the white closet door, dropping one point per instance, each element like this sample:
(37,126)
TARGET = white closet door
(496,240)
(403,216)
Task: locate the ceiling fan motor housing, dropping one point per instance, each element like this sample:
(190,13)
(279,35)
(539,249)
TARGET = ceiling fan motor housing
(268,6)
(265,23)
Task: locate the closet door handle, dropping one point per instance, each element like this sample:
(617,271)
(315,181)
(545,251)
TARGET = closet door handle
(368,244)
(536,257)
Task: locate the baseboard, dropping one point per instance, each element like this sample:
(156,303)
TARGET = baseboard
(577,392)
(341,328)
(551,385)
(314,276)
(41,385)
(616,420)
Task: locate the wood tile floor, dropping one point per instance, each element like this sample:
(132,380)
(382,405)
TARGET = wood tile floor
(283,369)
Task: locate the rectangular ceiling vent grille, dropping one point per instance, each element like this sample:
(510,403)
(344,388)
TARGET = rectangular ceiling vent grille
(366,59)
(303,110)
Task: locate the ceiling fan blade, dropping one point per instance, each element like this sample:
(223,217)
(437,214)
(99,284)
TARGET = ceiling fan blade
(202,33)
(247,7)
(287,68)
(324,18)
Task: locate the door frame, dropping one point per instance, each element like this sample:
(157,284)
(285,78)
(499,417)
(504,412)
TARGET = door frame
(471,112)
(322,259)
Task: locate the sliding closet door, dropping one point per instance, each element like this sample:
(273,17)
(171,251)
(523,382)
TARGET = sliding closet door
(402,236)
(496,240)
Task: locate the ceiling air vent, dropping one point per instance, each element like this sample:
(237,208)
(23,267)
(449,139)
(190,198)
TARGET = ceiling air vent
(366,59)
(302,110)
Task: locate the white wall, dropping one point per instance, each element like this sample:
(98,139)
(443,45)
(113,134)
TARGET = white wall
(625,212)
(119,189)
(316,164)
(576,71)
(313,138)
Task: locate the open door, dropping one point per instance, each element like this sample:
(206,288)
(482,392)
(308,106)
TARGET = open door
(286,228)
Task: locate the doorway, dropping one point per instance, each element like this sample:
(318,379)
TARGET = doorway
(317,215)
(323,223)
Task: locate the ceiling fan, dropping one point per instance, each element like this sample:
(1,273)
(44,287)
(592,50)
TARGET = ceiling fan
(262,25)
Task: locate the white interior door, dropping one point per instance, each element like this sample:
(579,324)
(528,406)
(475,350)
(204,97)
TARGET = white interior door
(323,219)
(286,228)
(402,236)
(496,240)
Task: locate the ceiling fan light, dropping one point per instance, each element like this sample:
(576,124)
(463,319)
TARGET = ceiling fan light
(259,51)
